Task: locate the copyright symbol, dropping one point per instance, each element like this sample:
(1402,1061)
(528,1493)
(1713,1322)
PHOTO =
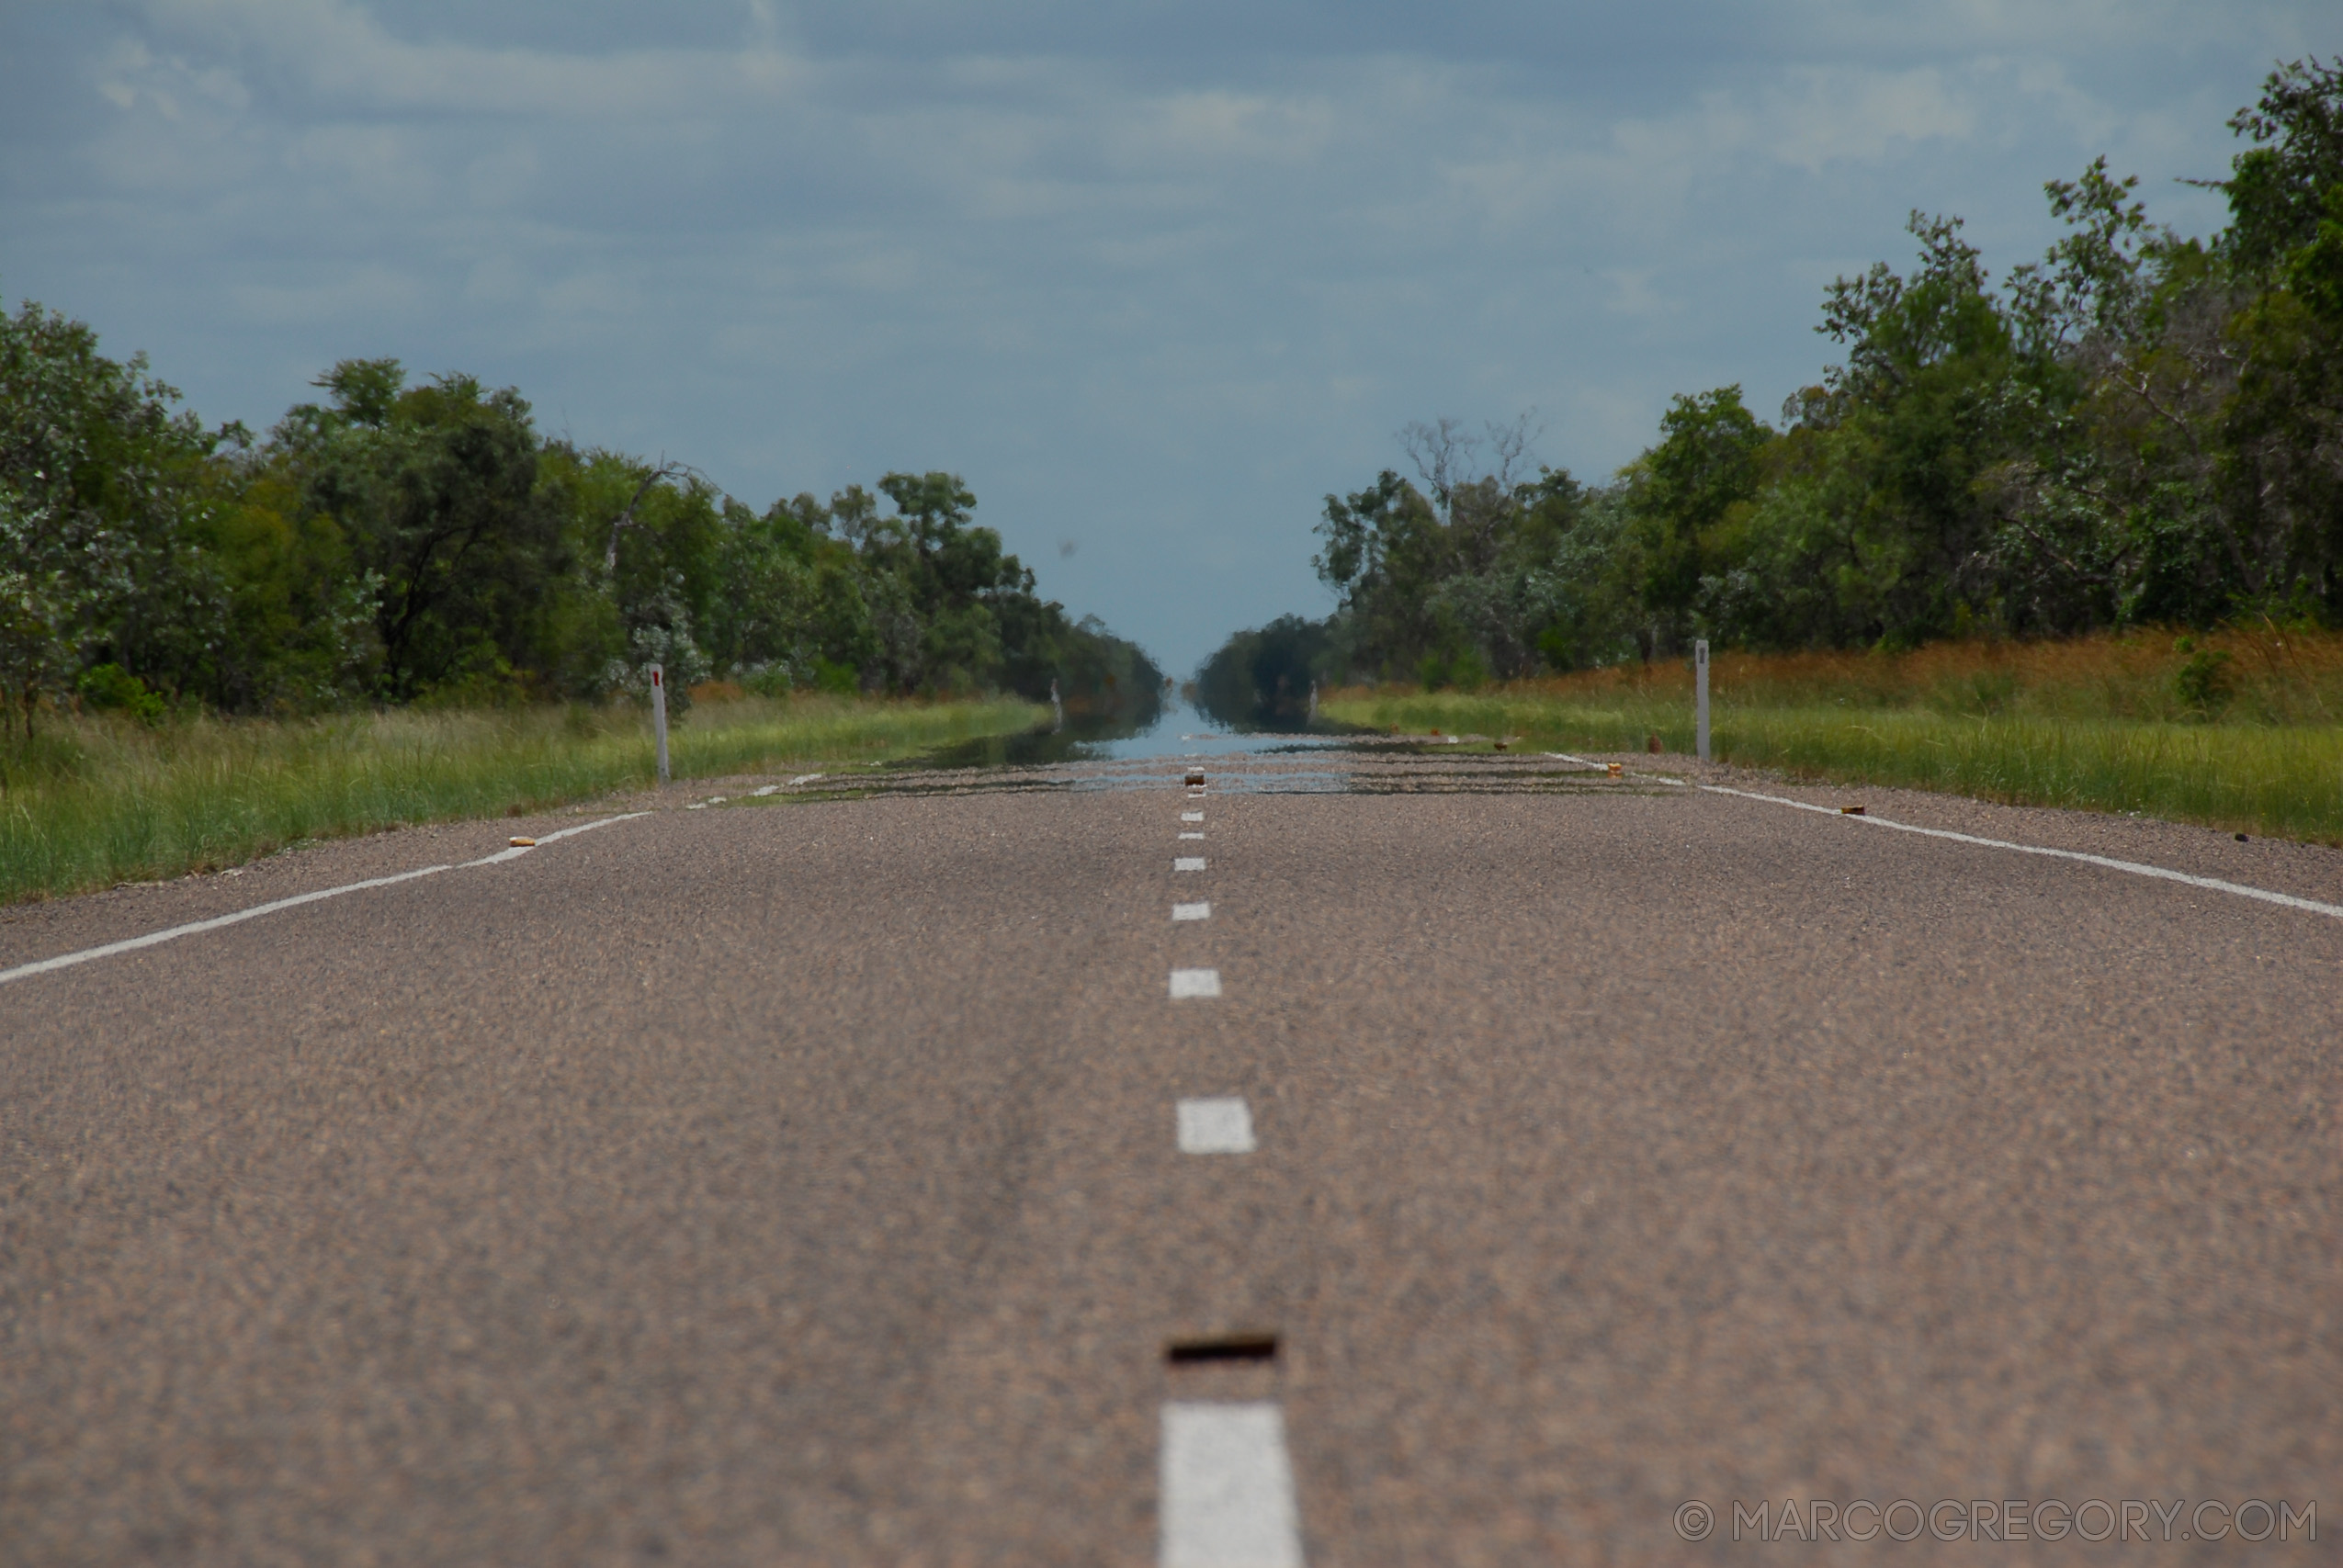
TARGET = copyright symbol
(1694,1520)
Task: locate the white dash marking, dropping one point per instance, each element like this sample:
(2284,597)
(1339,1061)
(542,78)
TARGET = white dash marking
(1188,983)
(763,790)
(808,778)
(1223,1125)
(1188,863)
(1190,815)
(1200,911)
(1228,1484)
(1192,835)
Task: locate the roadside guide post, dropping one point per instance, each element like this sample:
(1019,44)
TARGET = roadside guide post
(1700,698)
(659,716)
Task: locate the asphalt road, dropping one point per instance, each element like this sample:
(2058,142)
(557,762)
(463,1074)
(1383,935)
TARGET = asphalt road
(797,1182)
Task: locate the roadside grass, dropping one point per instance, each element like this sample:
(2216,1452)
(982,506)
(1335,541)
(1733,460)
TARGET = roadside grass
(2248,743)
(97,800)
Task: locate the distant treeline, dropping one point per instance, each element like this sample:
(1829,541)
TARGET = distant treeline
(2138,429)
(395,542)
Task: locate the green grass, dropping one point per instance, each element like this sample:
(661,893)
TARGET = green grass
(2281,780)
(95,800)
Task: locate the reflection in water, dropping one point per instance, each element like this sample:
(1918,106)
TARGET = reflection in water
(1174,729)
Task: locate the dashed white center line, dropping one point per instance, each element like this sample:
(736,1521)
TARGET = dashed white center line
(1192,835)
(1200,911)
(1190,815)
(1228,1499)
(1188,863)
(1188,983)
(1222,1125)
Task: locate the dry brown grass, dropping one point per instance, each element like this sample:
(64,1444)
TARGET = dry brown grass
(2266,675)
(2249,740)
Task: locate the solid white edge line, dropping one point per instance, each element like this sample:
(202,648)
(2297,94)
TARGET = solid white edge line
(1227,1488)
(2135,868)
(171,934)
(590,827)
(131,944)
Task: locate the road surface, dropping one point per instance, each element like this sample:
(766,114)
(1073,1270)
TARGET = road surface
(808,1180)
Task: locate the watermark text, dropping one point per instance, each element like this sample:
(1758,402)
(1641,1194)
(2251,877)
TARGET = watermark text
(2253,1519)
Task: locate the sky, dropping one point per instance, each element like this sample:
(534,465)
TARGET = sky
(1154,278)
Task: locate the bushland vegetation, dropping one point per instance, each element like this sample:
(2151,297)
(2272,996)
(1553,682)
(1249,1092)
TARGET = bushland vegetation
(101,798)
(2232,729)
(403,602)
(2138,430)
(400,542)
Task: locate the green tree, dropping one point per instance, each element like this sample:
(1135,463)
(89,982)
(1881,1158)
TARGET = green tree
(434,490)
(1688,501)
(100,477)
(2281,474)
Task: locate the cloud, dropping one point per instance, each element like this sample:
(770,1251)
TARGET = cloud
(372,290)
(334,52)
(1815,116)
(1200,260)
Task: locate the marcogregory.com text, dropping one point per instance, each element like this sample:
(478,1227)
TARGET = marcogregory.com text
(2046,1518)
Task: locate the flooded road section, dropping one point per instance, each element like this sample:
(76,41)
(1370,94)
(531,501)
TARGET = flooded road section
(1327,761)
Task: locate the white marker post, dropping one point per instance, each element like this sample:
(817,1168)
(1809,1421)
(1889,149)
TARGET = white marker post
(1700,698)
(659,716)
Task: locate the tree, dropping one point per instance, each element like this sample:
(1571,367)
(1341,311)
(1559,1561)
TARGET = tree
(1686,500)
(435,488)
(2282,475)
(1263,679)
(99,476)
